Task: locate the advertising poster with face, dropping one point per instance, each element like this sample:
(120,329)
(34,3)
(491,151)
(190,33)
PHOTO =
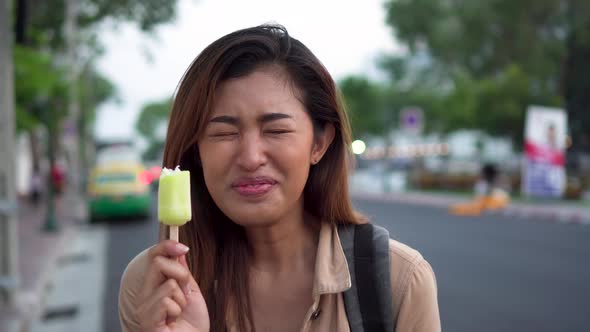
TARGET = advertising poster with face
(544,152)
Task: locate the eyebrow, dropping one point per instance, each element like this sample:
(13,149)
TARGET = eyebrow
(264,118)
(225,119)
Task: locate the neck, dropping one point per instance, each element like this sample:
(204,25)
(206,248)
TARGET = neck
(287,246)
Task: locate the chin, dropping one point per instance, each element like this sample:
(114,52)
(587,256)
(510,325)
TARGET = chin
(258,212)
(254,218)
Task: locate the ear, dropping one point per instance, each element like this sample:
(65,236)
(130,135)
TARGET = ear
(322,142)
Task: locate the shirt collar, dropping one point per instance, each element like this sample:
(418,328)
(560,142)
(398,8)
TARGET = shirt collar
(331,269)
(331,274)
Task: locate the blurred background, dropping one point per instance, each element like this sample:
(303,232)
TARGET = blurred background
(471,125)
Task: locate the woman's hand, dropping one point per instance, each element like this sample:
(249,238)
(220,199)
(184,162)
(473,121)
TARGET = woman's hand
(170,299)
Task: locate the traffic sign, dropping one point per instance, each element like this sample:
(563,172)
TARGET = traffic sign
(412,120)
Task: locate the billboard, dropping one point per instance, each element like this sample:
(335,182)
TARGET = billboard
(544,152)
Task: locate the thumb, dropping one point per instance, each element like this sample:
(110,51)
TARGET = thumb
(191,284)
(195,313)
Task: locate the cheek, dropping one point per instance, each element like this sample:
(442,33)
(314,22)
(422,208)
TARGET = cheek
(214,162)
(293,160)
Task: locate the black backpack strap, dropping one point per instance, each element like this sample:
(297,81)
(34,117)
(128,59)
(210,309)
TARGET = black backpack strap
(368,302)
(351,302)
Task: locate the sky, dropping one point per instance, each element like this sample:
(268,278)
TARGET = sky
(346,35)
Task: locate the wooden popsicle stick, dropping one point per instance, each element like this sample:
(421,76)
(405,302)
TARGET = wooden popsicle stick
(174,233)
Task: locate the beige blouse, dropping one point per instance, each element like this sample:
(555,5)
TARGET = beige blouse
(413,285)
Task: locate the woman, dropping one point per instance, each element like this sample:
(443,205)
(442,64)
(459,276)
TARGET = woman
(258,122)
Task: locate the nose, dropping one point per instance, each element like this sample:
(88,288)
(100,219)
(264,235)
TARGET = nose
(252,153)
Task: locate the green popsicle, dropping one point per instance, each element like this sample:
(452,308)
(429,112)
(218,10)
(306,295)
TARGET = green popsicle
(174,197)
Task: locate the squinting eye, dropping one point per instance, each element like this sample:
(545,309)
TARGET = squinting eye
(278,132)
(228,134)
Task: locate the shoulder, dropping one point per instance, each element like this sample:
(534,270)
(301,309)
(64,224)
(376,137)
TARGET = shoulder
(407,264)
(131,282)
(414,288)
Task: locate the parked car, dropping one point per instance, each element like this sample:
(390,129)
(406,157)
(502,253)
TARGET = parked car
(119,189)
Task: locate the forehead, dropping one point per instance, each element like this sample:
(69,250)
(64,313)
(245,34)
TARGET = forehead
(268,89)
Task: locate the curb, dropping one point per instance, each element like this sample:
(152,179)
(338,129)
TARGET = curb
(550,216)
(571,216)
(413,199)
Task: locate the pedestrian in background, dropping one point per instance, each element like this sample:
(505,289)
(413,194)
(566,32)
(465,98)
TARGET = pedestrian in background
(57,178)
(36,186)
(486,182)
(258,122)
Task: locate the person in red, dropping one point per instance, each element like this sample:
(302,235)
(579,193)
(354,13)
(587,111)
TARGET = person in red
(57,178)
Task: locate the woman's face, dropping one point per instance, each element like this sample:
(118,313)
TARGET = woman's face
(258,147)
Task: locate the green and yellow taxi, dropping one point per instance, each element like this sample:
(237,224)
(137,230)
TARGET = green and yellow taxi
(119,189)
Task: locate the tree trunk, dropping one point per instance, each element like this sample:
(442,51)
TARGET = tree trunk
(35,155)
(20,25)
(71,30)
(576,84)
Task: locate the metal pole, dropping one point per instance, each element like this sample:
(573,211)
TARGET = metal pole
(9,276)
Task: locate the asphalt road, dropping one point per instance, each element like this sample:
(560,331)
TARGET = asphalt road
(494,273)
(498,273)
(126,238)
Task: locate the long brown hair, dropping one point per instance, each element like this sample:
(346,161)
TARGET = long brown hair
(219,257)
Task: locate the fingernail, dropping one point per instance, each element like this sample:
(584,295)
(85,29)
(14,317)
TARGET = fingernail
(182,248)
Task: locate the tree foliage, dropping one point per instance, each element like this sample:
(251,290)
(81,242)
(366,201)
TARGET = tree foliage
(485,61)
(152,117)
(40,69)
(47,17)
(365,104)
(39,84)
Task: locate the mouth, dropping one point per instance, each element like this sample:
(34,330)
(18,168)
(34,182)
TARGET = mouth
(254,187)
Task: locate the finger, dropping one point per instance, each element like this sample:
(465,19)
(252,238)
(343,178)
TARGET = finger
(182,261)
(172,290)
(161,269)
(171,309)
(157,312)
(168,248)
(191,285)
(158,307)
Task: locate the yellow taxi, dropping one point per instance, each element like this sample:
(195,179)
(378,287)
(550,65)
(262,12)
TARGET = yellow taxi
(119,189)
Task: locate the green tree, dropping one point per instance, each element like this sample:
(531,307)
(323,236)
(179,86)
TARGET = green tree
(152,117)
(39,26)
(500,55)
(38,80)
(374,107)
(576,75)
(41,22)
(40,96)
(365,104)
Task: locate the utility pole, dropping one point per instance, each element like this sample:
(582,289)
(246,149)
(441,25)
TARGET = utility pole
(9,275)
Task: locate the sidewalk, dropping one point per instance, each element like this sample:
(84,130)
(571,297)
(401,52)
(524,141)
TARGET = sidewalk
(38,253)
(567,213)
